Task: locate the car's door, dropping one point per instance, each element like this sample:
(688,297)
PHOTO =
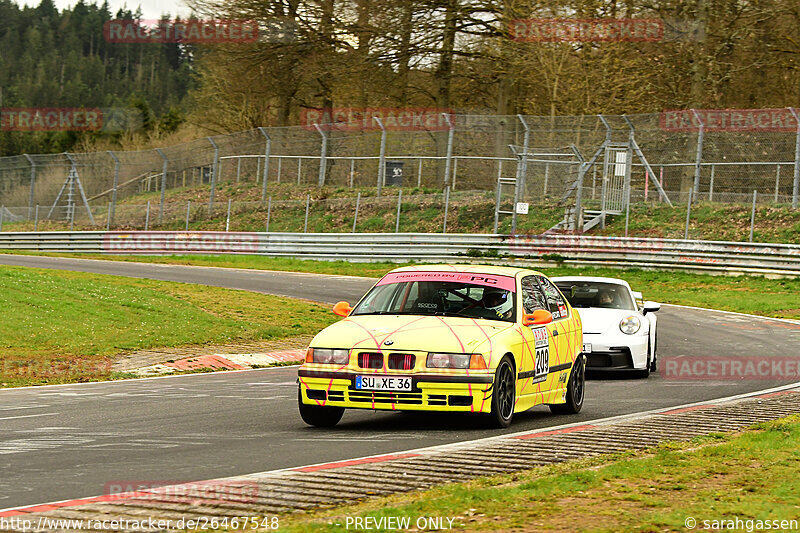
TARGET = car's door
(563,345)
(534,362)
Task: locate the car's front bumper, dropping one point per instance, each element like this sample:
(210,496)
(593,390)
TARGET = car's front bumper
(616,352)
(430,392)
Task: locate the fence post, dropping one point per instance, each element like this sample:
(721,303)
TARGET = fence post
(108,217)
(352,171)
(214,171)
(2,215)
(269,210)
(163,184)
(455,173)
(355,218)
(116,185)
(446,208)
(308,204)
(323,155)
(299,168)
(228,218)
(147,217)
(688,214)
(796,183)
(523,174)
(33,185)
(711,184)
(419,173)
(449,156)
(238,169)
(382,155)
(280,161)
(188,213)
(36,220)
(699,157)
(267,150)
(777,180)
(399,203)
(753,216)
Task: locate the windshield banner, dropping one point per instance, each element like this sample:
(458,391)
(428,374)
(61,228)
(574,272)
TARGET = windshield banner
(472,278)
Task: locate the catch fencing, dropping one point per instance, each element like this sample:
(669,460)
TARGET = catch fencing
(698,256)
(717,164)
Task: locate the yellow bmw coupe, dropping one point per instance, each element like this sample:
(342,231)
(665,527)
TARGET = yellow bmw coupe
(470,339)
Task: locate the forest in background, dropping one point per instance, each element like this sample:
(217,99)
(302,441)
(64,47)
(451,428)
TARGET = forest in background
(454,54)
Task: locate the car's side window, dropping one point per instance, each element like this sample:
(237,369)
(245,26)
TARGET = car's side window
(555,300)
(532,295)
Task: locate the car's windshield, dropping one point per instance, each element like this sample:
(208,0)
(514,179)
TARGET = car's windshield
(437,297)
(582,294)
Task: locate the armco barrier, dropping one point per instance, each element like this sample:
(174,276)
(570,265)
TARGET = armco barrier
(706,256)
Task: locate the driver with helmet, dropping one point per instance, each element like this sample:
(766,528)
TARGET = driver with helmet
(497,301)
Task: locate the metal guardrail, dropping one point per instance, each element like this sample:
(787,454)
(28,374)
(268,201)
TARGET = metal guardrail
(699,256)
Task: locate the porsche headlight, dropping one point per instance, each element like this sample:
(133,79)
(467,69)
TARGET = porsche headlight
(630,325)
(328,356)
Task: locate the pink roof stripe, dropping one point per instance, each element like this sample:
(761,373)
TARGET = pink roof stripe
(487,280)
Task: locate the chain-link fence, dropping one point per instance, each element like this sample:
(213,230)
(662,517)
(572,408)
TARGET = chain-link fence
(546,155)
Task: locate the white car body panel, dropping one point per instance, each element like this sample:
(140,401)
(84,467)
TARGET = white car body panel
(601,325)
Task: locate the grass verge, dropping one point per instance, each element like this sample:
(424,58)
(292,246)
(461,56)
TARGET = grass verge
(61,327)
(744,294)
(750,476)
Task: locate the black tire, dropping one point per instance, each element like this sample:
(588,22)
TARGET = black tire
(317,415)
(576,389)
(504,394)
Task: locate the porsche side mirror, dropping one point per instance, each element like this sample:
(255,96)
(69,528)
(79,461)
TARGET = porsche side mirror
(650,307)
(537,318)
(342,309)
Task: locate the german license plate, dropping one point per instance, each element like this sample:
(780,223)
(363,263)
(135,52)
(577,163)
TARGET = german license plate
(390,383)
(587,348)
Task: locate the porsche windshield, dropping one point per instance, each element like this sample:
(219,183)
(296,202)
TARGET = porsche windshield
(439,298)
(583,294)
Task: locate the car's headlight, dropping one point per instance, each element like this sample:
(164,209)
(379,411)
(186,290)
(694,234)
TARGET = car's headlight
(328,356)
(455,360)
(630,325)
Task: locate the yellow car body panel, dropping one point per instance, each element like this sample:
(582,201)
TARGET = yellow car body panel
(543,355)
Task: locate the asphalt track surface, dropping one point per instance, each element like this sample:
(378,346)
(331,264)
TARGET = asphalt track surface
(65,442)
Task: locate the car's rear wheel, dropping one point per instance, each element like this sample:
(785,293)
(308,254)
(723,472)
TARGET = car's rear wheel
(505,385)
(319,415)
(575,390)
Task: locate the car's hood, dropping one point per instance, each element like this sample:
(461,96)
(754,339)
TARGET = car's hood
(597,320)
(410,332)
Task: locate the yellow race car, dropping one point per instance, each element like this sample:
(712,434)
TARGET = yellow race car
(469,339)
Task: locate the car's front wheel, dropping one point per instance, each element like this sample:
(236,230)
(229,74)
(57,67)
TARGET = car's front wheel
(575,390)
(319,415)
(504,394)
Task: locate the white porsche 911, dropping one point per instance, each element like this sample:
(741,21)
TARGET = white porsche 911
(619,328)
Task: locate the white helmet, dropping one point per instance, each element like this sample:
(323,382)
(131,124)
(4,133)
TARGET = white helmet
(505,303)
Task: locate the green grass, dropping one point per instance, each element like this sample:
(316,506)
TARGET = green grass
(752,475)
(61,327)
(744,294)
(332,210)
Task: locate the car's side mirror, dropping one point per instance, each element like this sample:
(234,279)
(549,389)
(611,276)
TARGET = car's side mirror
(650,307)
(342,309)
(537,318)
